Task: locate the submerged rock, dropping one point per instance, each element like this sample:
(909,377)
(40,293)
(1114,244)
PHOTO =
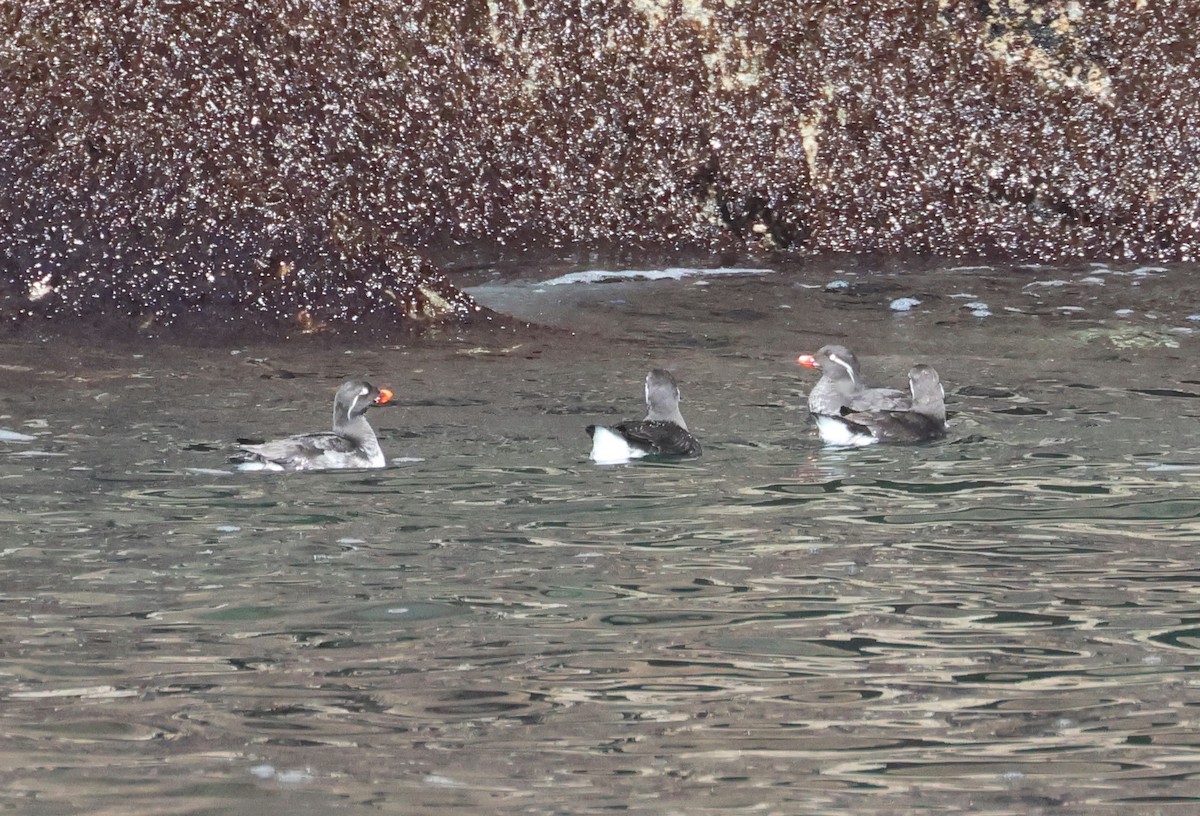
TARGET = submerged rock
(295,164)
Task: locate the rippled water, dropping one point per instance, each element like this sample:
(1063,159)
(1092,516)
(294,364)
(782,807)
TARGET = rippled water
(1006,622)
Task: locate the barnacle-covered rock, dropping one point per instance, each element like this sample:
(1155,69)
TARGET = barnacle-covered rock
(298,287)
(296,161)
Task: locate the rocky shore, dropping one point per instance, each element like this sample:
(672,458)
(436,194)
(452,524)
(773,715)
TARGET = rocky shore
(307,167)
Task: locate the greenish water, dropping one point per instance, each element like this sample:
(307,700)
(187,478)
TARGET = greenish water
(1002,623)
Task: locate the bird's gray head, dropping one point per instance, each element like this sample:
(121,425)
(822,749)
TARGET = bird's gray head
(355,397)
(927,391)
(662,397)
(837,363)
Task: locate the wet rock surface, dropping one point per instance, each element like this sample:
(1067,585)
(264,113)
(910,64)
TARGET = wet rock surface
(302,167)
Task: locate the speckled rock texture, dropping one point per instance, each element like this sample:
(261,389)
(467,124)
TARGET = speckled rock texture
(296,163)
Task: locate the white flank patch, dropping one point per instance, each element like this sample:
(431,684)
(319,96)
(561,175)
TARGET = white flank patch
(610,448)
(834,431)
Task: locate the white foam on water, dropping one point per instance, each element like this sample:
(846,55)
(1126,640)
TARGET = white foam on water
(442,781)
(256,466)
(670,273)
(263,771)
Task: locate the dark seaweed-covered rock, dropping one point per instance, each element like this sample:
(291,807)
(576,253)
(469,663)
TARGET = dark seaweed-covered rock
(296,163)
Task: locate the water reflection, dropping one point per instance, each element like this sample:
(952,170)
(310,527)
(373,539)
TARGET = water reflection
(493,625)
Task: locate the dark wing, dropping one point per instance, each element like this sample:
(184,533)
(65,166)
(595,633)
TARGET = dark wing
(659,437)
(898,426)
(880,399)
(327,442)
(294,449)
